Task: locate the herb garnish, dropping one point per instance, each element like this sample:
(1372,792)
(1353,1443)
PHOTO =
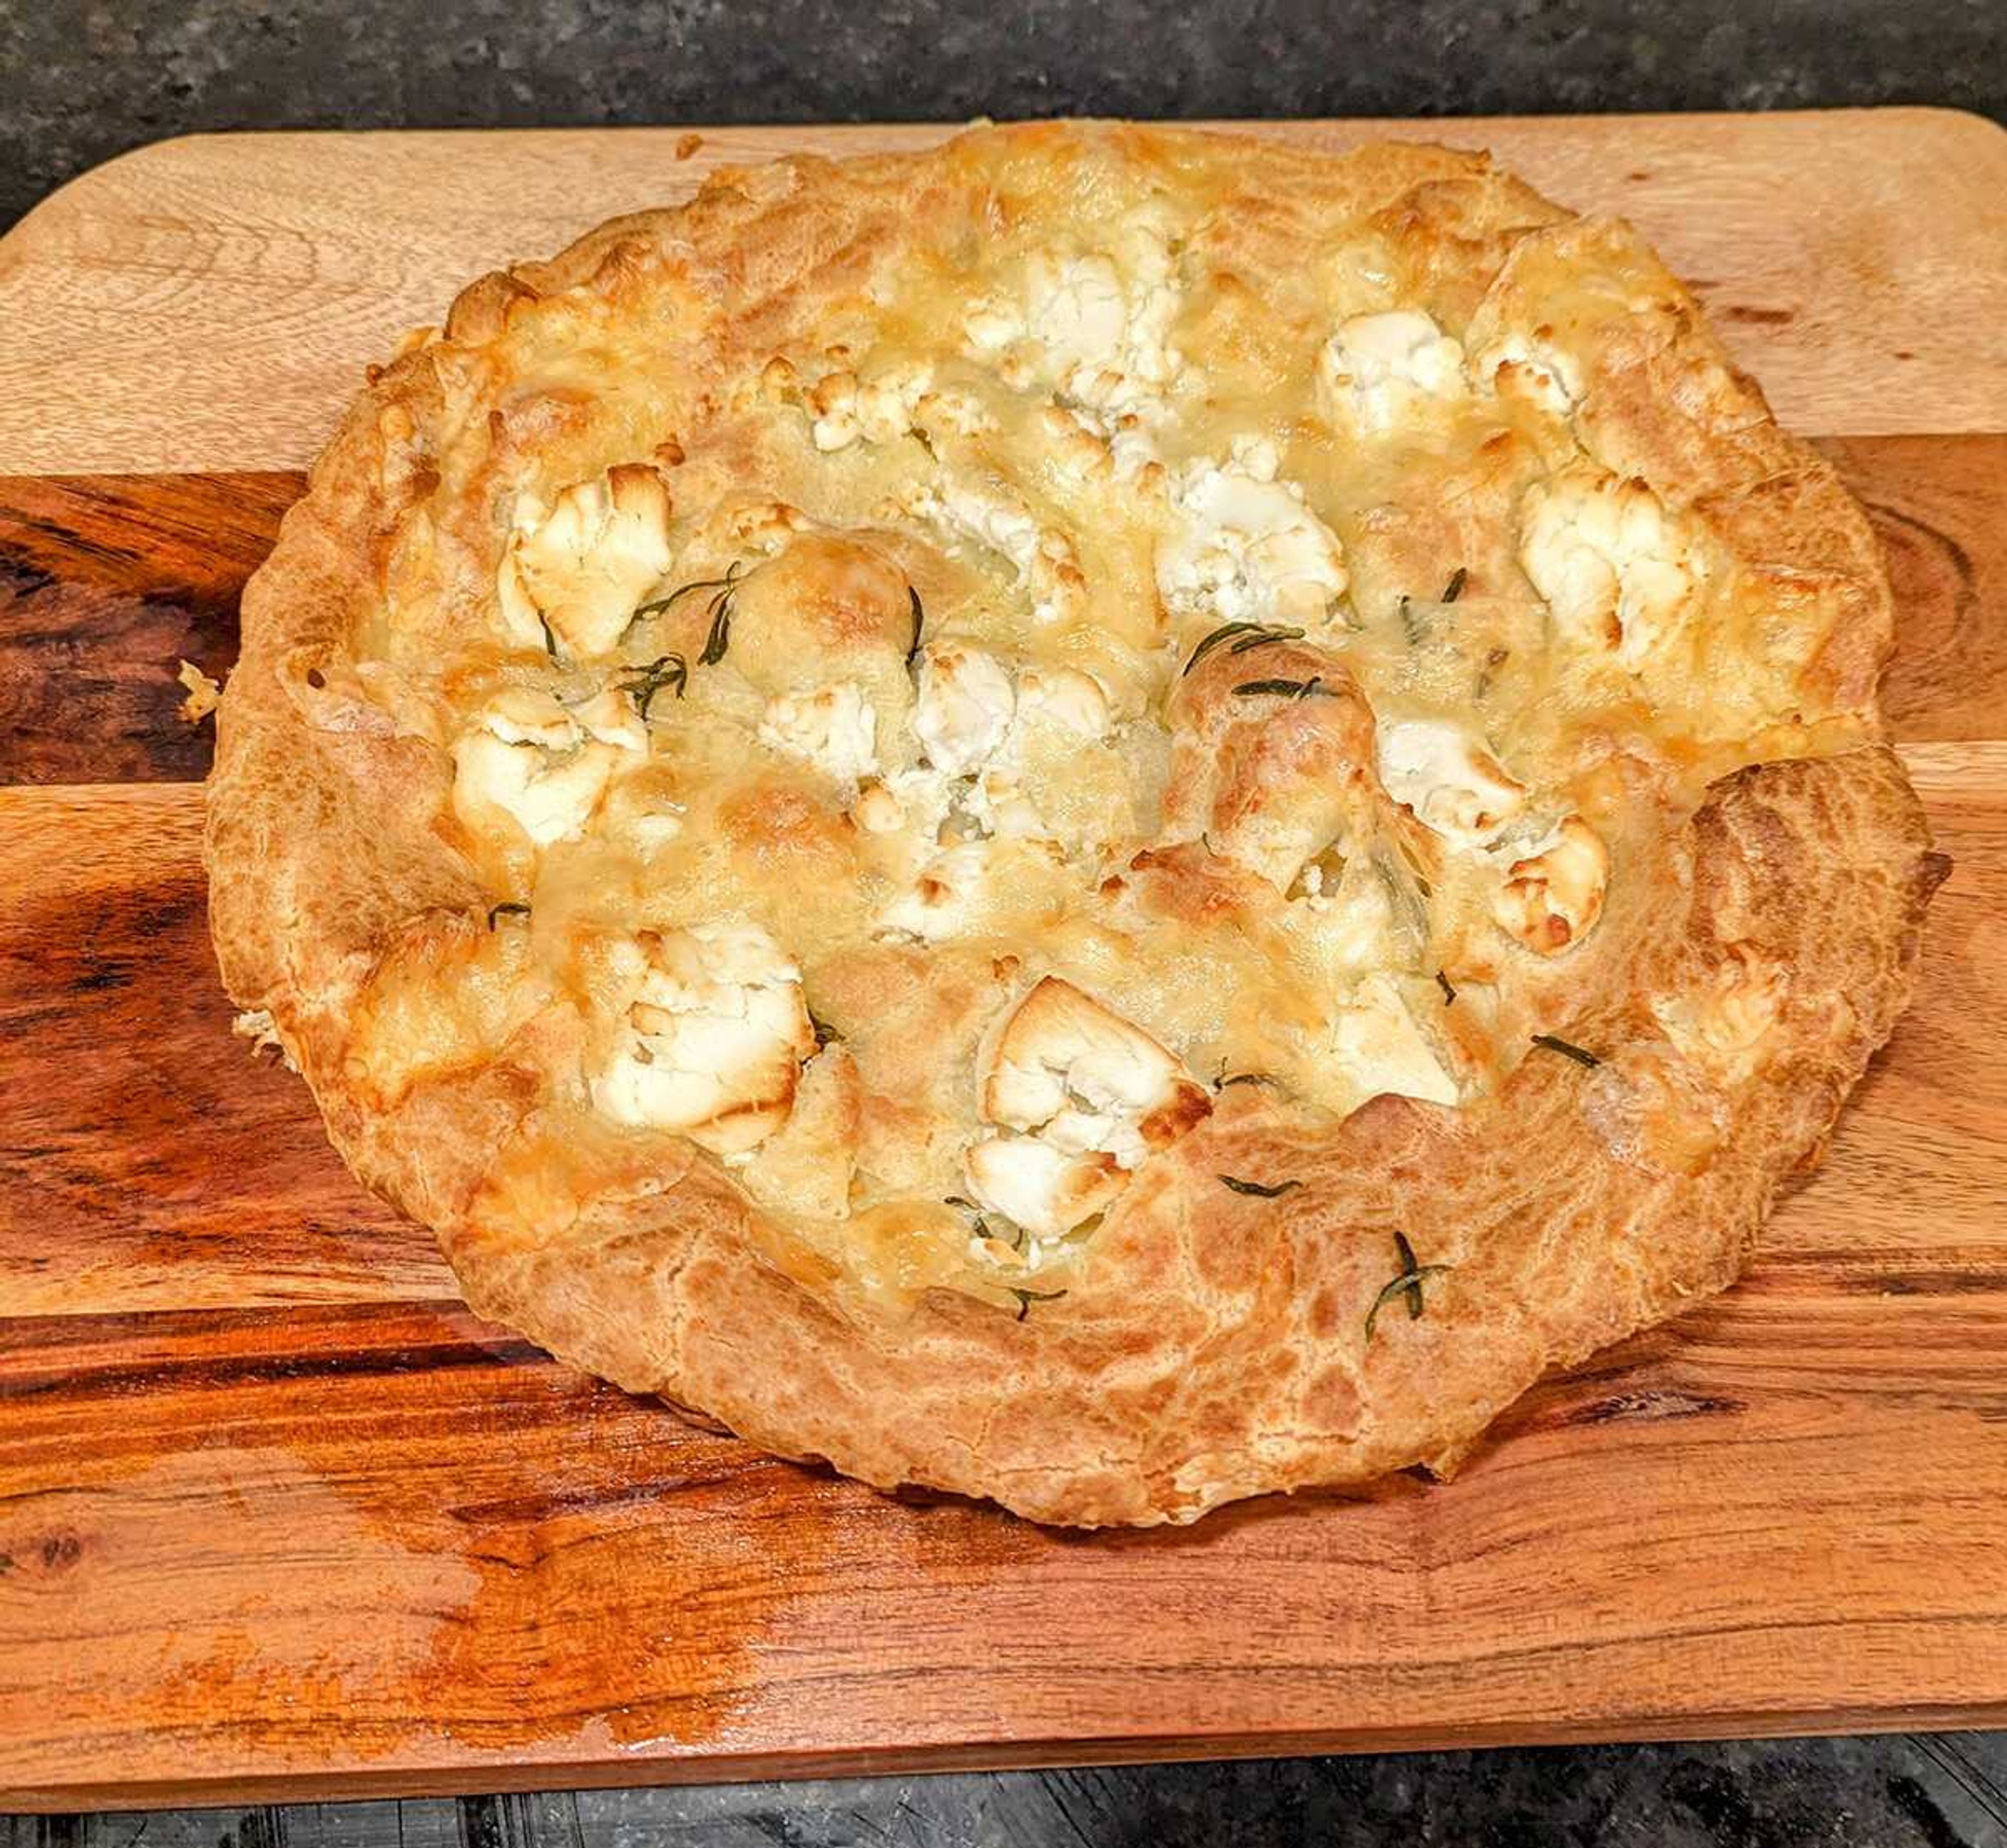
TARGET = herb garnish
(1242,1077)
(1243,636)
(919,620)
(724,589)
(1404,892)
(665,670)
(1408,1284)
(1449,993)
(823,1031)
(505,910)
(981,1228)
(1258,1190)
(550,640)
(1454,589)
(720,638)
(1027,1297)
(1552,1045)
(1287,690)
(686,589)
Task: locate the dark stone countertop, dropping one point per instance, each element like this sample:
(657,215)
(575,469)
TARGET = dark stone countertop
(85,81)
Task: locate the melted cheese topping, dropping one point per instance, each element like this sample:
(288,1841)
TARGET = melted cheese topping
(922,730)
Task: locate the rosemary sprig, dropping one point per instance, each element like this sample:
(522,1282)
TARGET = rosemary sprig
(682,591)
(1408,1283)
(723,590)
(1244,636)
(1449,993)
(919,622)
(550,640)
(1454,589)
(1411,624)
(665,670)
(720,638)
(1276,633)
(1242,1077)
(1404,893)
(1257,1189)
(981,1228)
(1287,690)
(1549,1043)
(1027,1297)
(505,910)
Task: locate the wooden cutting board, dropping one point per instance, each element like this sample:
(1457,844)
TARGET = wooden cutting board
(279,1518)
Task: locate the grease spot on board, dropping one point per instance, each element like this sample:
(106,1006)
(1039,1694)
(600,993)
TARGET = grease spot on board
(229,1592)
(624,1565)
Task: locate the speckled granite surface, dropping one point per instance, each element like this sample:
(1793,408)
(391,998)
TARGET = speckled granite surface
(1928,1792)
(81,83)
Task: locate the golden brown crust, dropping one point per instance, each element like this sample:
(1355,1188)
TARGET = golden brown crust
(1756,947)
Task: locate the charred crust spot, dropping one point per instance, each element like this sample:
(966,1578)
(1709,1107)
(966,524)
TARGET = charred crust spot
(1189,1108)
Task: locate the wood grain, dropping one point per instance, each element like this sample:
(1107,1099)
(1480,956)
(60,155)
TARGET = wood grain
(108,581)
(561,1584)
(209,303)
(1936,505)
(147,1158)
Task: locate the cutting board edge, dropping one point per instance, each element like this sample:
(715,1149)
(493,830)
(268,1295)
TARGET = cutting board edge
(517,1773)
(1423,127)
(937,126)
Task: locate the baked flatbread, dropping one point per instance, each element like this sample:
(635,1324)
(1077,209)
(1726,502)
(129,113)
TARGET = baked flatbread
(1106,817)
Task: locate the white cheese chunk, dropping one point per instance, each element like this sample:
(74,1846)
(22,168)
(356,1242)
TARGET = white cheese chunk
(891,404)
(1076,308)
(1244,546)
(1378,371)
(1096,324)
(995,517)
(543,766)
(1453,784)
(1085,1096)
(976,721)
(610,716)
(581,565)
(1614,566)
(997,802)
(712,1040)
(945,899)
(1551,899)
(1536,373)
(1041,1188)
(1063,697)
(877,810)
(833,728)
(1384,1049)
(964,705)
(1077,1073)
